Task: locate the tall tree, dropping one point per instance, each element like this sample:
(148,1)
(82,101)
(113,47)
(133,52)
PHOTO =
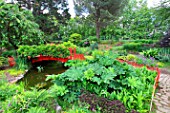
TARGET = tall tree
(80,25)
(163,13)
(17,27)
(48,13)
(163,16)
(137,20)
(101,11)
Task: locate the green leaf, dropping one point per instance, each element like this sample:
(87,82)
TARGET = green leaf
(97,79)
(107,77)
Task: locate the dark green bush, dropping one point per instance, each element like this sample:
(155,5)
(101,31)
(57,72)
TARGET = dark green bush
(163,54)
(84,43)
(135,47)
(145,41)
(94,46)
(3,61)
(132,46)
(93,38)
(9,53)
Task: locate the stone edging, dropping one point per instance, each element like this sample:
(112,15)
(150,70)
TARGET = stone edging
(18,77)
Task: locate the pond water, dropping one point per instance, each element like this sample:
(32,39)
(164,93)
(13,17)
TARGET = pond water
(36,76)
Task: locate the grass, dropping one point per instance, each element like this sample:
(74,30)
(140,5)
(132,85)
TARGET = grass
(13,72)
(166,65)
(117,48)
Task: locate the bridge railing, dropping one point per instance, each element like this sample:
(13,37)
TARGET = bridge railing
(73,56)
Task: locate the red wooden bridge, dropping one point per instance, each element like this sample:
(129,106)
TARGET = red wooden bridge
(73,56)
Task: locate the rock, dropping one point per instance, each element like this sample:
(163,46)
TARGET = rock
(58,109)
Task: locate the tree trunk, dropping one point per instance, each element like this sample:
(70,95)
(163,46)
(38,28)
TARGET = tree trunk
(14,46)
(97,21)
(97,29)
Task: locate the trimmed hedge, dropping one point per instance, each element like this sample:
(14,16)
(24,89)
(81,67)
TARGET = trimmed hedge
(135,47)
(60,50)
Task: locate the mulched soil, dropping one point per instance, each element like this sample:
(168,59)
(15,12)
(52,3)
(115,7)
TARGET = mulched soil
(105,46)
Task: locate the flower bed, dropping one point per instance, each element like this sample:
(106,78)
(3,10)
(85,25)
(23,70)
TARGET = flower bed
(148,67)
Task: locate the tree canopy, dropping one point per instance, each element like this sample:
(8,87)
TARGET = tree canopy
(163,14)
(48,13)
(101,11)
(18,27)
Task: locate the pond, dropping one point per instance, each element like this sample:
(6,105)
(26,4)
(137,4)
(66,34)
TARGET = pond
(36,76)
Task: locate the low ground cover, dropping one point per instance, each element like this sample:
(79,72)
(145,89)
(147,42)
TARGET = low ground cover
(12,72)
(15,99)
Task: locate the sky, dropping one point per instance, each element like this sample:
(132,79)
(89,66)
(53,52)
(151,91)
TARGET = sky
(151,3)
(71,8)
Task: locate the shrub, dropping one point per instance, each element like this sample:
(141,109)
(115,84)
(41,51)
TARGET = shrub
(93,38)
(163,55)
(60,50)
(26,100)
(94,46)
(3,61)
(96,53)
(122,53)
(9,90)
(85,43)
(134,46)
(150,53)
(145,41)
(75,38)
(83,50)
(131,57)
(69,45)
(9,53)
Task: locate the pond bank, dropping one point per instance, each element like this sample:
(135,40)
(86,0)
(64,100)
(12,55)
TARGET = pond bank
(36,76)
(12,78)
